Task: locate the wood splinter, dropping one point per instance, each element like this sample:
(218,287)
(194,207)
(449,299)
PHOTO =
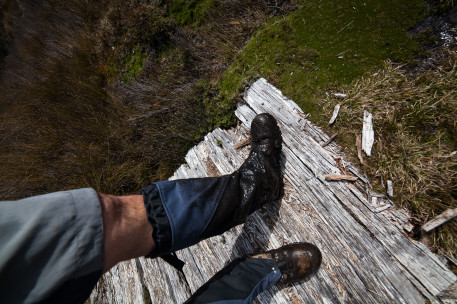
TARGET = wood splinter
(329,140)
(367,133)
(339,177)
(440,220)
(335,114)
(242,143)
(358,143)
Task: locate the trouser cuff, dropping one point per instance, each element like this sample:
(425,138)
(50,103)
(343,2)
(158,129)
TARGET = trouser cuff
(157,217)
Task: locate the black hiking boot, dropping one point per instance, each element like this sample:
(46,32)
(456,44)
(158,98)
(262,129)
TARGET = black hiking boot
(297,261)
(243,279)
(184,212)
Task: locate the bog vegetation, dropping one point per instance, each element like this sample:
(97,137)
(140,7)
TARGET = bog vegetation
(112,94)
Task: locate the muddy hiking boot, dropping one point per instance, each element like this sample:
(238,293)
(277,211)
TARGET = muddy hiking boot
(184,212)
(243,279)
(297,261)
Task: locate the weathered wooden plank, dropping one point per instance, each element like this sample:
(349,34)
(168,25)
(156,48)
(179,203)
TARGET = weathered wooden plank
(343,228)
(163,282)
(425,278)
(366,257)
(288,157)
(124,283)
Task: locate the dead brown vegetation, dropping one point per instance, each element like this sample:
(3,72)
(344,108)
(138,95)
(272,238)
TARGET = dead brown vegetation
(110,94)
(414,117)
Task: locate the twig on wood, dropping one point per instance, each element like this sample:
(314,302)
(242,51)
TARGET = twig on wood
(338,177)
(329,140)
(301,114)
(408,227)
(242,143)
(440,220)
(358,143)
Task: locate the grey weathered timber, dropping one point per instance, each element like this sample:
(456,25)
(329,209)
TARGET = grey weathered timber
(440,220)
(367,257)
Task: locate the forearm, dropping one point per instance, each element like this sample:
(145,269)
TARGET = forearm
(127,232)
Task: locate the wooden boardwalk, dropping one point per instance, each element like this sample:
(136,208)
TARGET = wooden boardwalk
(367,258)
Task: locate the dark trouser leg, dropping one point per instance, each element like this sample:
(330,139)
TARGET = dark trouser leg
(240,282)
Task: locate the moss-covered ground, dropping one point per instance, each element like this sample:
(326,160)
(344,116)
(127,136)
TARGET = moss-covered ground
(325,45)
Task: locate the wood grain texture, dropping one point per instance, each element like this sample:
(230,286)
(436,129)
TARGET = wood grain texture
(366,256)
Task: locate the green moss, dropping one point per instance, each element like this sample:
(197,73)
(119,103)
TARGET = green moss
(173,64)
(325,45)
(134,63)
(130,66)
(426,37)
(191,12)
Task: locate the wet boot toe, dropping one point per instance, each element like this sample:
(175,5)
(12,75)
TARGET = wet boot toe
(297,261)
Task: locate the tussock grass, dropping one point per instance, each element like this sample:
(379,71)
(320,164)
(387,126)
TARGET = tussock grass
(414,117)
(9,11)
(112,94)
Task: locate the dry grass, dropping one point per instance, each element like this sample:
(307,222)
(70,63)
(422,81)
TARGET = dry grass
(415,123)
(110,94)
